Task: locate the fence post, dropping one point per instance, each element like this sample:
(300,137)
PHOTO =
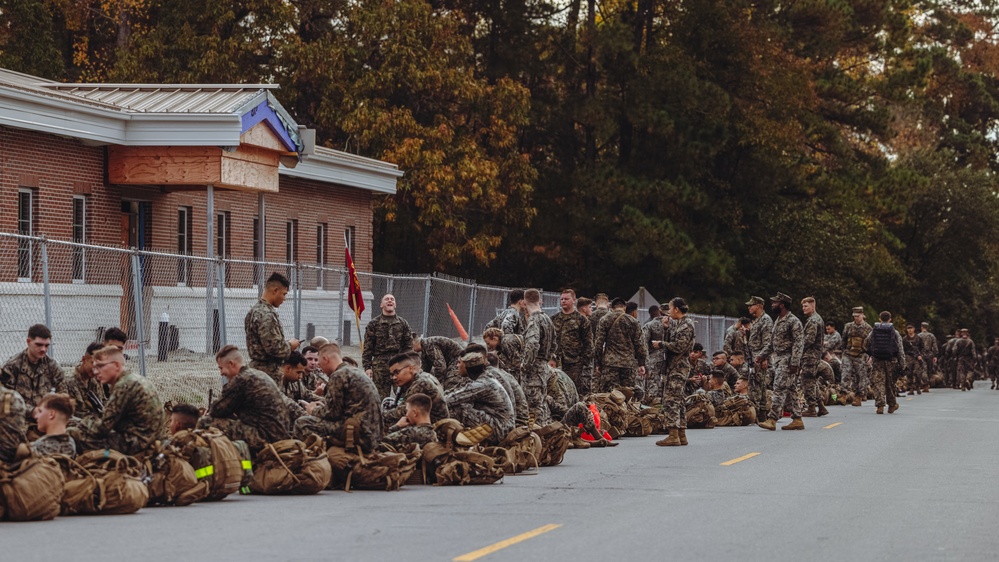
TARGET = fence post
(426,307)
(139,328)
(294,297)
(221,287)
(209,272)
(339,316)
(46,288)
(471,312)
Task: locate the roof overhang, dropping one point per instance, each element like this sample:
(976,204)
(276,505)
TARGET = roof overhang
(347,169)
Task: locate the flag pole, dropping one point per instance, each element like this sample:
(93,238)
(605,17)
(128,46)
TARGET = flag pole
(353,297)
(357,322)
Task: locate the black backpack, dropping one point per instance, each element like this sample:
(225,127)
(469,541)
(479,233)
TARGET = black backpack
(883,344)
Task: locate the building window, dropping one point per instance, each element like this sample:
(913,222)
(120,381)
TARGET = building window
(223,237)
(322,241)
(25,226)
(291,241)
(80,237)
(348,238)
(185,245)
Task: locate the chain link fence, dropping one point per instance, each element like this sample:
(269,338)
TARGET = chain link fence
(178,310)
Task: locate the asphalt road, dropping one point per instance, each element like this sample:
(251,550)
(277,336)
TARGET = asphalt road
(914,485)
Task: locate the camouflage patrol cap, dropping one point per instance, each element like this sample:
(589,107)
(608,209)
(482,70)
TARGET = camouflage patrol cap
(858,310)
(755,300)
(781,297)
(925,324)
(474,359)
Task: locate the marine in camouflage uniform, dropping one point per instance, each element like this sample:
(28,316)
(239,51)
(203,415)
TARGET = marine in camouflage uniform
(522,412)
(54,445)
(80,386)
(882,378)
(439,356)
(296,390)
(992,362)
(965,357)
(813,349)
(384,337)
(399,437)
(539,348)
(735,340)
(313,378)
(784,352)
(32,380)
(760,332)
(679,342)
(574,347)
(265,343)
(619,351)
(13,424)
(931,350)
(133,419)
(562,394)
(511,320)
(912,346)
(833,343)
(394,407)
(856,374)
(653,333)
(350,394)
(252,409)
(483,401)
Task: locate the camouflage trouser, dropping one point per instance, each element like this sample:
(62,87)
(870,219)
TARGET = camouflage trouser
(581,376)
(742,416)
(814,390)
(758,389)
(652,384)
(236,430)
(535,385)
(470,417)
(381,377)
(856,375)
(965,371)
(700,413)
(883,381)
(785,388)
(271,368)
(612,377)
(914,373)
(580,415)
(674,407)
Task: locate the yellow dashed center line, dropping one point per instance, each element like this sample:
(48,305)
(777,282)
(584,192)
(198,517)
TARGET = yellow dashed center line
(740,459)
(832,425)
(907,399)
(508,542)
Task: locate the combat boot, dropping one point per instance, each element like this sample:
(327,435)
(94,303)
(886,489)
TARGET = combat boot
(881,409)
(796,423)
(578,443)
(682,434)
(809,412)
(768,424)
(822,410)
(911,393)
(857,401)
(672,441)
(892,408)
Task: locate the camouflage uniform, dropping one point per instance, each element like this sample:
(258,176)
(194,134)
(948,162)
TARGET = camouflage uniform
(32,381)
(296,390)
(735,340)
(384,337)
(719,395)
(856,375)
(653,330)
(511,321)
(422,383)
(881,371)
(811,354)
(562,394)
(252,409)
(949,361)
(539,348)
(481,401)
(54,445)
(574,347)
(521,410)
(350,394)
(783,352)
(760,332)
(133,419)
(399,437)
(511,355)
(79,386)
(833,343)
(930,352)
(12,423)
(913,349)
(736,410)
(992,364)
(965,359)
(619,351)
(265,343)
(439,356)
(579,415)
(731,374)
(313,378)
(679,343)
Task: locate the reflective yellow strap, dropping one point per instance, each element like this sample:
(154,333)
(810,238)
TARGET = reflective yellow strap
(247,465)
(205,472)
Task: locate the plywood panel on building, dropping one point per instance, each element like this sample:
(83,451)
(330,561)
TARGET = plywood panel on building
(167,165)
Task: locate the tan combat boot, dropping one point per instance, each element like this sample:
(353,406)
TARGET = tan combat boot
(857,401)
(881,409)
(768,424)
(809,412)
(892,408)
(672,441)
(822,410)
(682,434)
(796,423)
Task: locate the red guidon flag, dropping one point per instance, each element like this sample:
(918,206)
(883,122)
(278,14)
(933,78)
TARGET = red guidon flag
(355,299)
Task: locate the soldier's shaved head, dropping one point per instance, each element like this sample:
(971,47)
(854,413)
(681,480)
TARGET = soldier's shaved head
(329,349)
(229,353)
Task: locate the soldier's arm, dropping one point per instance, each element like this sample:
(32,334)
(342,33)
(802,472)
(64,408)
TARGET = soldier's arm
(641,352)
(8,374)
(114,410)
(465,394)
(58,378)
(586,336)
(900,354)
(272,337)
(532,342)
(228,400)
(439,362)
(683,340)
(798,348)
(598,345)
(406,343)
(510,322)
(370,342)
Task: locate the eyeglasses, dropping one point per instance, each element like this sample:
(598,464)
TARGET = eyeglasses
(397,371)
(98,366)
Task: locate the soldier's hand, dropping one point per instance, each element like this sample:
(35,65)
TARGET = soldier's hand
(310,407)
(641,372)
(552,364)
(320,389)
(403,422)
(294,343)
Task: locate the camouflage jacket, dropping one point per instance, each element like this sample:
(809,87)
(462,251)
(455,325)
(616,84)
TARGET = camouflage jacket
(813,342)
(730,373)
(511,353)
(824,371)
(992,357)
(399,437)
(539,340)
(79,386)
(32,381)
(964,348)
(133,411)
(930,349)
(12,423)
(735,340)
(514,392)
(679,343)
(912,347)
(619,342)
(265,343)
(510,320)
(833,342)
(352,394)
(312,378)
(562,395)
(422,383)
(54,445)
(486,395)
(900,352)
(717,397)
(296,390)
(574,339)
(440,356)
(254,398)
(653,330)
(595,318)
(384,337)
(787,340)
(760,333)
(854,336)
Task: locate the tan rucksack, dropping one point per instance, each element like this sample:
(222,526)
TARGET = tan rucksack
(524,448)
(215,459)
(461,468)
(105,482)
(292,467)
(380,470)
(172,479)
(555,439)
(31,489)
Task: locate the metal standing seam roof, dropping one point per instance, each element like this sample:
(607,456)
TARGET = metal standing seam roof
(171,98)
